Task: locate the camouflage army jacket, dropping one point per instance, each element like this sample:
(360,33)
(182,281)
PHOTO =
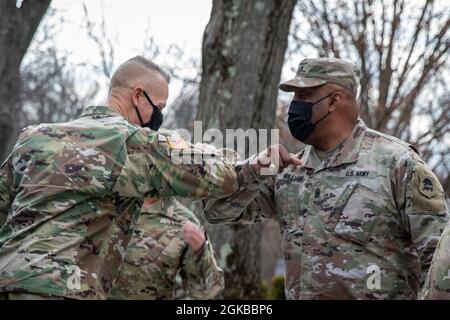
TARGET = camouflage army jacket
(157,253)
(363,224)
(73,191)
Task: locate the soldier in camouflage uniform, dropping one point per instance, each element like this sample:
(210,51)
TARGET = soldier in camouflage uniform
(437,285)
(160,249)
(74,190)
(361,216)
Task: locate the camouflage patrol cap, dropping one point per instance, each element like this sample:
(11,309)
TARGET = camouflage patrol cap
(316,72)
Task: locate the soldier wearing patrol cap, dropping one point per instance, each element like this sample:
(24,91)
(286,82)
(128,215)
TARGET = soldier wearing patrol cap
(361,216)
(73,190)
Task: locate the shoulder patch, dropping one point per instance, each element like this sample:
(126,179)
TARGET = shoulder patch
(177,143)
(427,193)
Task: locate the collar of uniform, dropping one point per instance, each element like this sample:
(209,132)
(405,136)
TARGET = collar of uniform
(346,152)
(100,110)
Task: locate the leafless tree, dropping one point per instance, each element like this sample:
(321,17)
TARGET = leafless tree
(173,58)
(402,48)
(54,88)
(56,95)
(18,23)
(101,36)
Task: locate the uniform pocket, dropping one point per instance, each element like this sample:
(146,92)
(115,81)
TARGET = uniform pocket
(156,247)
(150,237)
(358,214)
(340,204)
(288,207)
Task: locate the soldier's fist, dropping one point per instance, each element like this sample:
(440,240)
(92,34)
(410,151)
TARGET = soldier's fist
(193,236)
(274,159)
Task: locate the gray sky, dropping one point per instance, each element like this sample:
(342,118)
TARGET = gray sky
(168,22)
(171,21)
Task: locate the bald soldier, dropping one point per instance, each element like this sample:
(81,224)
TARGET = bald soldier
(361,216)
(168,241)
(73,190)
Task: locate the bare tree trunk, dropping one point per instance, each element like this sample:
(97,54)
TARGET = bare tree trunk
(243,52)
(17,27)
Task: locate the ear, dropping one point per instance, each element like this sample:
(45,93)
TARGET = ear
(335,101)
(136,94)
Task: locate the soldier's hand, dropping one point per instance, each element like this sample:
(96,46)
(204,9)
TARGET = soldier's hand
(274,159)
(193,236)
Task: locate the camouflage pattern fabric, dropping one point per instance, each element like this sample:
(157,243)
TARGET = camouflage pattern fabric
(374,205)
(73,192)
(319,71)
(157,253)
(28,296)
(437,285)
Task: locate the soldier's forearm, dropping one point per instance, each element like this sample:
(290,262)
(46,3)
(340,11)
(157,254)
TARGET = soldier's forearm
(251,203)
(248,178)
(213,177)
(204,279)
(230,210)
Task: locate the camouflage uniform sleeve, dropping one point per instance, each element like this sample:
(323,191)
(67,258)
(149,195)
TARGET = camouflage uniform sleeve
(437,284)
(153,168)
(201,274)
(5,190)
(252,202)
(421,203)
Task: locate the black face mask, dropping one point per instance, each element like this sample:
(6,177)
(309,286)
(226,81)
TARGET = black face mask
(299,118)
(157,117)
